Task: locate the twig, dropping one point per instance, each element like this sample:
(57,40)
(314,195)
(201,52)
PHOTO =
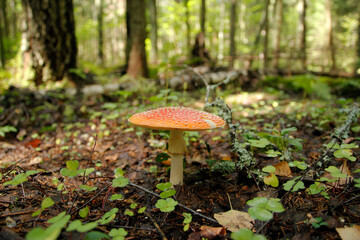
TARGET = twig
(179,204)
(156,225)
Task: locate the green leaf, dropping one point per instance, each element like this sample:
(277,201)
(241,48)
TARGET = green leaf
(120,182)
(287,130)
(84,212)
(18,179)
(141,210)
(36,213)
(116,197)
(78,226)
(289,184)
(335,172)
(164,186)
(52,232)
(187,218)
(69,173)
(258,201)
(108,216)
(275,205)
(129,212)
(46,203)
(133,205)
(316,188)
(31,172)
(166,205)
(72,165)
(261,143)
(271,180)
(96,235)
(168,193)
(269,169)
(118,234)
(87,188)
(246,234)
(118,172)
(296,142)
(298,164)
(272,153)
(344,153)
(260,213)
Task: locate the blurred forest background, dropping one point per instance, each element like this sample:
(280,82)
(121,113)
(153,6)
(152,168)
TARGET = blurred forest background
(49,40)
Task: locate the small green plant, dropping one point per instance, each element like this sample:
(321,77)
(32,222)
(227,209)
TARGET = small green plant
(72,169)
(46,203)
(318,188)
(294,185)
(187,221)
(166,205)
(246,234)
(6,129)
(299,164)
(344,150)
(166,189)
(84,212)
(270,179)
(263,208)
(118,234)
(318,222)
(21,177)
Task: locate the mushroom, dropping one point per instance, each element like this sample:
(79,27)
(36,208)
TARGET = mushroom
(177,120)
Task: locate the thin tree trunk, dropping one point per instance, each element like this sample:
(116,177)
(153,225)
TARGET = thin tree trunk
(233,21)
(330,42)
(136,34)
(100,18)
(279,6)
(203,16)
(266,37)
(357,65)
(303,56)
(4,18)
(153,31)
(2,53)
(188,28)
(50,34)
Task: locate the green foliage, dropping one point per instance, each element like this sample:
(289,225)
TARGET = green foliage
(78,226)
(187,221)
(7,129)
(294,185)
(108,216)
(299,164)
(318,222)
(263,208)
(318,188)
(84,212)
(21,177)
(261,143)
(72,170)
(166,189)
(120,182)
(53,231)
(118,234)
(246,234)
(269,169)
(116,197)
(166,205)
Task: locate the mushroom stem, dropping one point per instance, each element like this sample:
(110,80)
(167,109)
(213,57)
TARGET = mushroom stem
(177,148)
(176,171)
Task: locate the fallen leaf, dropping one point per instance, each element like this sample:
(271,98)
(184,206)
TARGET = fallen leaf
(111,157)
(272,180)
(349,233)
(167,162)
(207,233)
(34,143)
(233,220)
(282,169)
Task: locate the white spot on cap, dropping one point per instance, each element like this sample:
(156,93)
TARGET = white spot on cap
(211,123)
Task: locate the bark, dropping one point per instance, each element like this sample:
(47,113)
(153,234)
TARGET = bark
(153,31)
(136,34)
(2,53)
(188,28)
(266,37)
(4,18)
(330,43)
(50,35)
(357,65)
(233,21)
(303,26)
(100,18)
(202,16)
(279,22)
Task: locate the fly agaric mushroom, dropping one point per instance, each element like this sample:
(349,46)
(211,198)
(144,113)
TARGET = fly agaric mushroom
(177,120)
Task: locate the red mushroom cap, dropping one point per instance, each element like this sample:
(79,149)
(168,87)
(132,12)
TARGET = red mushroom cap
(181,118)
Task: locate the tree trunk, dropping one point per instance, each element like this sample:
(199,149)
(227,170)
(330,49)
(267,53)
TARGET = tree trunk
(233,21)
(303,35)
(330,43)
(136,34)
(153,31)
(266,37)
(100,18)
(357,65)
(203,16)
(188,29)
(4,18)
(50,35)
(2,53)
(279,6)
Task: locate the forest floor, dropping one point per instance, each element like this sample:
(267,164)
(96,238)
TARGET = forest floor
(68,150)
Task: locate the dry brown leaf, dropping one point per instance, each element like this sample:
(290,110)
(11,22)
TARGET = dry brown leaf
(111,157)
(282,169)
(233,220)
(207,233)
(349,233)
(342,181)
